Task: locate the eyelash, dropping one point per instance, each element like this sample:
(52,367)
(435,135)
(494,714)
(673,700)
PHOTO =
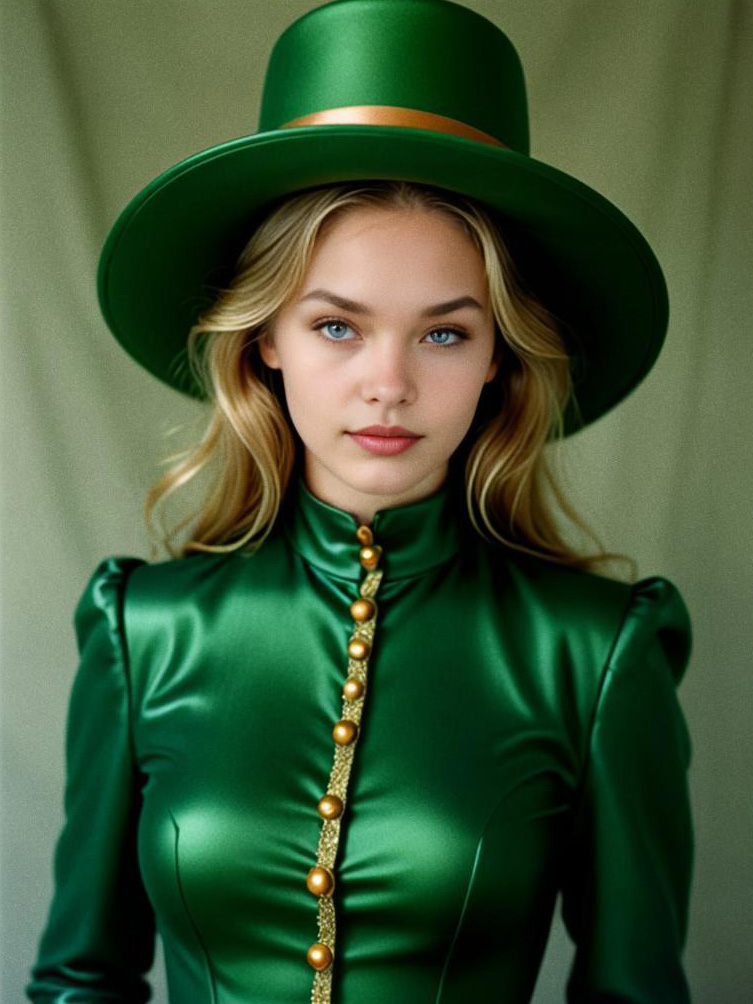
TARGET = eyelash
(338,320)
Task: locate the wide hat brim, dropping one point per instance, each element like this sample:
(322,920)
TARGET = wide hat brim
(176,243)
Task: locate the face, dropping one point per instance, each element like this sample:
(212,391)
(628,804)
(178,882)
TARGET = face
(380,359)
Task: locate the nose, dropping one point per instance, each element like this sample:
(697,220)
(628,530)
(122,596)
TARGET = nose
(388,374)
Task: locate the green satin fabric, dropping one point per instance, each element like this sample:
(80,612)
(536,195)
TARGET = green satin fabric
(521,736)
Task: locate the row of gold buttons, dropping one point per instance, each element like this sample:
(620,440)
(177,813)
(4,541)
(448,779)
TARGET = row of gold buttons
(321,879)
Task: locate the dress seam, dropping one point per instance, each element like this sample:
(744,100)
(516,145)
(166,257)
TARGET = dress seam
(189,916)
(125,659)
(466,898)
(472,878)
(594,713)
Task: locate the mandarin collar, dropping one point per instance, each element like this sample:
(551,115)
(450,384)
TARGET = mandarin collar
(414,537)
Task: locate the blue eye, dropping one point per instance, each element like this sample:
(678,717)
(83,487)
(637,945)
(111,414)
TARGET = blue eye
(336,322)
(448,331)
(328,324)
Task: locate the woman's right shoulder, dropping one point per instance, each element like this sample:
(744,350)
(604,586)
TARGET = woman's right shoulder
(131,581)
(145,604)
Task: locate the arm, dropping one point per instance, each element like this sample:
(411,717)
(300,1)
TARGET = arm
(627,873)
(99,939)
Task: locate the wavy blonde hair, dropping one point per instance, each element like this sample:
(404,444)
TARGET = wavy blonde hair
(250,437)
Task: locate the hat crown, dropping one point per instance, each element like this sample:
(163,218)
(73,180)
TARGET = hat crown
(430,55)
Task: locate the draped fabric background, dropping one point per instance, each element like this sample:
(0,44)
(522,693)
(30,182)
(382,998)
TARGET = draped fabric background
(649,101)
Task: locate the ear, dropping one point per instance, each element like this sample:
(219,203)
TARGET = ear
(268,352)
(494,364)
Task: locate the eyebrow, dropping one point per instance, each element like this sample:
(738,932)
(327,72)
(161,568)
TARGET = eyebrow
(359,308)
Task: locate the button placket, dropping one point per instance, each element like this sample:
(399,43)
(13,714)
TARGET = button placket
(331,806)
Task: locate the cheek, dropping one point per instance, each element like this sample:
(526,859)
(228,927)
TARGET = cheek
(312,393)
(455,394)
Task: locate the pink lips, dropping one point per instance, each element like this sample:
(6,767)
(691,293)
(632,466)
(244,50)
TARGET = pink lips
(384,444)
(385,430)
(385,439)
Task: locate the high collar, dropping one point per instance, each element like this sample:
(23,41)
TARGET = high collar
(414,537)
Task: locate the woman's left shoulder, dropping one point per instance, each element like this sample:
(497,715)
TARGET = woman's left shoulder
(584,603)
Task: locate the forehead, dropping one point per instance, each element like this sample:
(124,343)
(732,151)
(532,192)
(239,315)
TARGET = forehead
(359,224)
(391,250)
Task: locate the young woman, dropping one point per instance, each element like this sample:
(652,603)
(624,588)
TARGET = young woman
(374,713)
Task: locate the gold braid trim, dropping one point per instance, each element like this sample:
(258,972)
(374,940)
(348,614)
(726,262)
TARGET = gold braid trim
(329,836)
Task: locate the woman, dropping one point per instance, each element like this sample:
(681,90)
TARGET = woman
(375,713)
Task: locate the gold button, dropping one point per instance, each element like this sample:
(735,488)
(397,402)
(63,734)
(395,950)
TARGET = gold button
(320,881)
(319,956)
(365,535)
(362,610)
(344,731)
(370,556)
(358,648)
(353,688)
(330,806)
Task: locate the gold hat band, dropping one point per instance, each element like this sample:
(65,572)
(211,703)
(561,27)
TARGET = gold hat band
(393,115)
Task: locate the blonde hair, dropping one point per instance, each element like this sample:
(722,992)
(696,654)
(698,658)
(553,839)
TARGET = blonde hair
(251,438)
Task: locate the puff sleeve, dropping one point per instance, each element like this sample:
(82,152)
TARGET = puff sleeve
(99,938)
(628,868)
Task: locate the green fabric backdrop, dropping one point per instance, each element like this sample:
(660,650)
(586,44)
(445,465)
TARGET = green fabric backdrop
(649,101)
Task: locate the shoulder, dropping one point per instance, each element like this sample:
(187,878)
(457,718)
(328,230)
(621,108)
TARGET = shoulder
(561,600)
(612,619)
(116,573)
(174,576)
(566,592)
(146,595)
(174,592)
(101,599)
(121,585)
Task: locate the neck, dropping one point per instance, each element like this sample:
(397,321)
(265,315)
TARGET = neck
(415,536)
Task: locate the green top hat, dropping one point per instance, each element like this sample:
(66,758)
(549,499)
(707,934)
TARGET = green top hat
(422,90)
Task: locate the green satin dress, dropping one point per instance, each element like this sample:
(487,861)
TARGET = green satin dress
(520,736)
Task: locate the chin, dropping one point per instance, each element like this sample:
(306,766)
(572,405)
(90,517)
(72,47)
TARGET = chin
(379,480)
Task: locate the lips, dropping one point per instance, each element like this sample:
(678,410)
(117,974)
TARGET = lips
(384,445)
(391,431)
